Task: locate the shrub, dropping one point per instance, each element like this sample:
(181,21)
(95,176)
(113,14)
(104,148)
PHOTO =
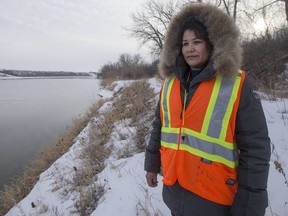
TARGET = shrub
(265,60)
(128,67)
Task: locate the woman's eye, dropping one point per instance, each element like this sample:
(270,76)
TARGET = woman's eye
(198,41)
(185,44)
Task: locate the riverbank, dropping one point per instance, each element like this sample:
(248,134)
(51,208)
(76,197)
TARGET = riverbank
(102,173)
(97,134)
(34,113)
(22,185)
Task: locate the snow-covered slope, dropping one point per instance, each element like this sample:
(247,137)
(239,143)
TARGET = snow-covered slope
(125,189)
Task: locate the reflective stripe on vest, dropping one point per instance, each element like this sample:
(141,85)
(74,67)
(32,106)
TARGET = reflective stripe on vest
(166,91)
(210,142)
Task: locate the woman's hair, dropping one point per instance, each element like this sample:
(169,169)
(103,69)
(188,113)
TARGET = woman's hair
(199,30)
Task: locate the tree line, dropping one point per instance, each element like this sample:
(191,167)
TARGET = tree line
(265,51)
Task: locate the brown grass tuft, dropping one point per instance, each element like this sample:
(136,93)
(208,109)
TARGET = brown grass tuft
(132,103)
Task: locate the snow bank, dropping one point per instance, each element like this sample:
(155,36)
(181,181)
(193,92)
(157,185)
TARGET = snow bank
(126,191)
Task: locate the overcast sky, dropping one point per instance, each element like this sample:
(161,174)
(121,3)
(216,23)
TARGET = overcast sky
(68,35)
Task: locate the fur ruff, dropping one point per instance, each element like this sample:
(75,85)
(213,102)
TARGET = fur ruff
(223,34)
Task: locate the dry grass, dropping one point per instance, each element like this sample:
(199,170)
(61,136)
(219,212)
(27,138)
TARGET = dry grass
(277,163)
(135,104)
(146,206)
(131,103)
(274,94)
(88,200)
(107,84)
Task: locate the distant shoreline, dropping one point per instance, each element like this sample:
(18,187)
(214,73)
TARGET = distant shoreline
(46,77)
(43,74)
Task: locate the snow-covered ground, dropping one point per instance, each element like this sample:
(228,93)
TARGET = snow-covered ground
(125,189)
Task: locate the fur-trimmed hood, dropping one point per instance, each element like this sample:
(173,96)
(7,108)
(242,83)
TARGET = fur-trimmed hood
(222,32)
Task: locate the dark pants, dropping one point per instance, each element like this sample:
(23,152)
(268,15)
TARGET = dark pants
(182,202)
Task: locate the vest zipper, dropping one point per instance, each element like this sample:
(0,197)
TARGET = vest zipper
(184,107)
(185,100)
(182,137)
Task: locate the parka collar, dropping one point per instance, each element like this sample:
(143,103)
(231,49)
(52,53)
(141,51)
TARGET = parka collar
(223,34)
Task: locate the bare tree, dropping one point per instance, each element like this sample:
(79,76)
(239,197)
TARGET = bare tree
(271,3)
(150,24)
(277,1)
(286,9)
(230,7)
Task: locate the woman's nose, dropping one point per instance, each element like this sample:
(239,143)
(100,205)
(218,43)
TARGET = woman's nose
(191,47)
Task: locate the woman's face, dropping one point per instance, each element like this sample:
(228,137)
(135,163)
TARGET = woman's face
(194,50)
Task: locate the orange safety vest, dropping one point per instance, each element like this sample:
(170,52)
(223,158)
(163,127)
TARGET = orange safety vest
(198,142)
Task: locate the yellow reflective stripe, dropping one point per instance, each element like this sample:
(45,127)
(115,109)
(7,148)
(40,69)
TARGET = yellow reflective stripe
(169,145)
(184,107)
(170,130)
(162,99)
(165,100)
(168,100)
(198,135)
(211,104)
(165,142)
(211,157)
(229,109)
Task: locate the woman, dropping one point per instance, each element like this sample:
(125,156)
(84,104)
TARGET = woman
(209,133)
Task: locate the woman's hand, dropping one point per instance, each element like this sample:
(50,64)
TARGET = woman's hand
(151,179)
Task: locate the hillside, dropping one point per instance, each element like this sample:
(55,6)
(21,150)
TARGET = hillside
(118,185)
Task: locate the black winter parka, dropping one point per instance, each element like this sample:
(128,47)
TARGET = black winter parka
(251,129)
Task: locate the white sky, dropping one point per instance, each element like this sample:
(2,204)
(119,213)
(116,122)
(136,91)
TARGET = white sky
(72,35)
(69,35)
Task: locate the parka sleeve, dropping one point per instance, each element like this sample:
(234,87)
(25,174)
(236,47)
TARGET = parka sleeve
(254,145)
(152,155)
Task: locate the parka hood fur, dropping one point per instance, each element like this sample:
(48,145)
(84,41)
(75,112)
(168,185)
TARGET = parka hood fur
(222,32)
